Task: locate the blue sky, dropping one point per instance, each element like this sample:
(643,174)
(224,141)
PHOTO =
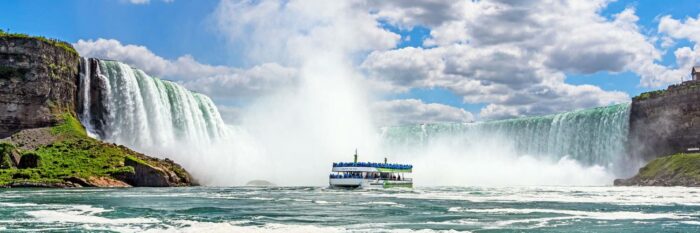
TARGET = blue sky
(174,29)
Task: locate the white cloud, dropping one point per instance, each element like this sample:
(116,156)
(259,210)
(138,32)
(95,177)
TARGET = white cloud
(502,77)
(413,111)
(410,13)
(514,55)
(686,57)
(688,29)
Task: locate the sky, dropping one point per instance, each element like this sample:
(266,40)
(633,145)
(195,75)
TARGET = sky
(421,61)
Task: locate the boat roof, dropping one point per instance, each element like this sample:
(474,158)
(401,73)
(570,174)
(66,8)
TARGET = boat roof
(371,167)
(368,164)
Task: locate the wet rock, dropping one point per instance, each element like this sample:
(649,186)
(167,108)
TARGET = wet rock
(29,160)
(260,183)
(146,175)
(101,182)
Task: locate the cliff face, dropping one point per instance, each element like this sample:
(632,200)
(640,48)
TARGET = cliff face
(665,122)
(36,78)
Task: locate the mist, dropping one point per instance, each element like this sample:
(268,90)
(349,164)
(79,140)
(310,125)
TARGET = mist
(293,135)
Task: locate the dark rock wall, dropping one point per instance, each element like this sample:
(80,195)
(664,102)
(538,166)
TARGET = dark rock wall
(37,80)
(90,69)
(665,122)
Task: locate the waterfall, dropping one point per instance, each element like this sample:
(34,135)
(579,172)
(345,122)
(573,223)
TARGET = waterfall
(595,136)
(123,105)
(126,106)
(84,95)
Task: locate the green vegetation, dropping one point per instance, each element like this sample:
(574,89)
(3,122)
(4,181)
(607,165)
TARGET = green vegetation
(650,94)
(70,127)
(6,150)
(66,46)
(73,155)
(678,166)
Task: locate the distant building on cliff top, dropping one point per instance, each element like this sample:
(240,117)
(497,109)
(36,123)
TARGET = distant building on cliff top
(695,73)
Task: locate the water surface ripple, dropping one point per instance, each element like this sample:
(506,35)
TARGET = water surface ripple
(316,209)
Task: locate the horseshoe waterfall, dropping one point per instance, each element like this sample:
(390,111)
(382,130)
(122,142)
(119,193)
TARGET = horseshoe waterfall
(592,137)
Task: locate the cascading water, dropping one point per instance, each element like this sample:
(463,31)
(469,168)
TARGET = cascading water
(143,112)
(590,137)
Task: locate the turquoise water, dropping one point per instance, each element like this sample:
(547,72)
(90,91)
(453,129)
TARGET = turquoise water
(316,209)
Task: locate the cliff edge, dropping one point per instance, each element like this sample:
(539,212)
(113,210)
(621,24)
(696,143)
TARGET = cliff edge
(42,143)
(664,128)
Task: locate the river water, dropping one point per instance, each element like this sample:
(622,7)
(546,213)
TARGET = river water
(318,209)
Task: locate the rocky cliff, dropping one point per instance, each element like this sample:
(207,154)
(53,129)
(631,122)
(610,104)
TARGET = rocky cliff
(37,78)
(42,144)
(665,122)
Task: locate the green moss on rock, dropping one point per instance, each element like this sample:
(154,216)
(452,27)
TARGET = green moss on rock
(684,165)
(673,170)
(6,153)
(73,155)
(650,94)
(63,45)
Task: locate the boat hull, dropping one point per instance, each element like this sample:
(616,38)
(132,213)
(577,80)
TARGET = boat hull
(369,183)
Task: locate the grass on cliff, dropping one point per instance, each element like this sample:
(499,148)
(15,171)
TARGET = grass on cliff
(73,155)
(678,165)
(650,94)
(66,46)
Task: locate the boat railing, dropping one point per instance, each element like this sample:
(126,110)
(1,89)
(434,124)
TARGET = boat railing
(402,179)
(377,165)
(350,176)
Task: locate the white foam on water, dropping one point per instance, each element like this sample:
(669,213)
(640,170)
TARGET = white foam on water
(327,202)
(8,204)
(83,214)
(187,226)
(617,215)
(657,196)
(379,203)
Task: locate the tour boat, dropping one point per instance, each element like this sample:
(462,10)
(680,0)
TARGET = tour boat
(370,175)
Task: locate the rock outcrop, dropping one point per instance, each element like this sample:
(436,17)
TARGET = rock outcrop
(37,79)
(665,122)
(262,183)
(673,170)
(148,175)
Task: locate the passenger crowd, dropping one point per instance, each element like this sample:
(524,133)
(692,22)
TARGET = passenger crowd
(377,165)
(368,176)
